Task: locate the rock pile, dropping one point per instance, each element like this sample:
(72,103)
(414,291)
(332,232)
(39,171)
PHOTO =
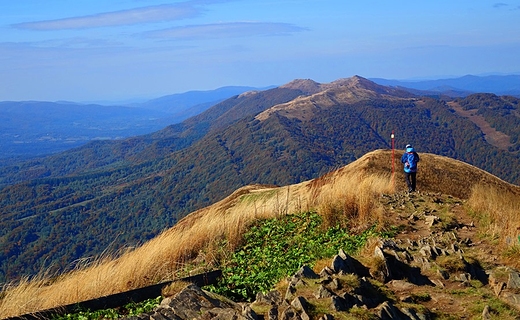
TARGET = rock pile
(400,279)
(387,289)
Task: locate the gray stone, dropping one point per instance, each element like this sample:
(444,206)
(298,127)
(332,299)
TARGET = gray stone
(431,220)
(323,292)
(486,315)
(272,297)
(464,277)
(224,314)
(306,272)
(289,314)
(273,313)
(194,303)
(513,281)
(342,263)
(498,287)
(326,271)
(400,285)
(428,252)
(443,274)
(383,273)
(338,304)
(438,283)
(387,311)
(164,314)
(297,280)
(300,304)
(335,284)
(511,298)
(289,294)
(342,254)
(412,314)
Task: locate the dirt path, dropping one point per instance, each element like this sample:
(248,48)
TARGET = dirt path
(450,296)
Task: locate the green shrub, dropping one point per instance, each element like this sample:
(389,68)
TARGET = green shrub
(276,248)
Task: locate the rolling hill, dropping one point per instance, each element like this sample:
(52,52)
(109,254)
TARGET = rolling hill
(117,194)
(358,195)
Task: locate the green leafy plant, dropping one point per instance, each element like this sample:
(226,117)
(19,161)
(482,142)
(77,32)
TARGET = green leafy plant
(130,309)
(276,248)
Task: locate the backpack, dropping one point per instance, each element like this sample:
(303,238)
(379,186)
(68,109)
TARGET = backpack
(411,161)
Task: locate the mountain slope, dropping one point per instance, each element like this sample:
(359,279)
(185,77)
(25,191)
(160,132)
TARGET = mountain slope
(196,236)
(106,155)
(238,142)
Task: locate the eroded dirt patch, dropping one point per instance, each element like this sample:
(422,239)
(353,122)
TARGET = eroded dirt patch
(492,136)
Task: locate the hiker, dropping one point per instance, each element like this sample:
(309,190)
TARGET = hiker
(410,159)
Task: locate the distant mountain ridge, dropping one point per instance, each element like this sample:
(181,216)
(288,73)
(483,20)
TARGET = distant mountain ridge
(181,103)
(36,128)
(497,84)
(61,208)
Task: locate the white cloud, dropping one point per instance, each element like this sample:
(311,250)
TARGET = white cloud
(225,30)
(149,14)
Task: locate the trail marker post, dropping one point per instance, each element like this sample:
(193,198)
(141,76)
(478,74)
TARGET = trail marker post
(393,159)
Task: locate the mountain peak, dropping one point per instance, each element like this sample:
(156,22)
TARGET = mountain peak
(319,96)
(308,86)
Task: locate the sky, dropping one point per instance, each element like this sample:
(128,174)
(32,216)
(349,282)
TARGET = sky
(116,50)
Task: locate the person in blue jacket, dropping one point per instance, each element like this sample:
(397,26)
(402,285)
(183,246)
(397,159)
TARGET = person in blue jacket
(410,159)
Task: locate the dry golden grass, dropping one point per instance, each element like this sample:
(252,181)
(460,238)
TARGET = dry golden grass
(497,212)
(351,201)
(348,196)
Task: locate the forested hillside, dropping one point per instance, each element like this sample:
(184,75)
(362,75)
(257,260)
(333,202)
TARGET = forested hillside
(119,194)
(106,155)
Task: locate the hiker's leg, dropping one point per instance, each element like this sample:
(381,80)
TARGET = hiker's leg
(414,180)
(408,182)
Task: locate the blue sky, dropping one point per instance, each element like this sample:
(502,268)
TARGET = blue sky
(90,50)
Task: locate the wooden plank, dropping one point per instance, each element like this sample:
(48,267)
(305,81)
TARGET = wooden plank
(121,299)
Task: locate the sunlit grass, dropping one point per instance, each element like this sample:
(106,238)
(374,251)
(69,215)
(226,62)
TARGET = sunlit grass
(348,197)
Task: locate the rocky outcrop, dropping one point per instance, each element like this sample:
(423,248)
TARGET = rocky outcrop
(194,303)
(401,278)
(385,286)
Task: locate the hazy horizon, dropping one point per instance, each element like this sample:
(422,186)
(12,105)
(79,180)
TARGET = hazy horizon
(142,49)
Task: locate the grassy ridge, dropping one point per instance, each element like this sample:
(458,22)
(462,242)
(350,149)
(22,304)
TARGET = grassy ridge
(348,197)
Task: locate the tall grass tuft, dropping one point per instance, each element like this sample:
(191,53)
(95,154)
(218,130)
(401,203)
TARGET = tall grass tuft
(497,212)
(353,202)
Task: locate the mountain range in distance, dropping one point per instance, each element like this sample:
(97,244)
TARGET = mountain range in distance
(118,193)
(37,128)
(462,86)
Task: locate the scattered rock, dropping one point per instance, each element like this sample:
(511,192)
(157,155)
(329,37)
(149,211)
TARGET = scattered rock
(486,315)
(513,281)
(195,303)
(306,272)
(399,266)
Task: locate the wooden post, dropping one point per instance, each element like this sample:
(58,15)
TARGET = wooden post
(393,160)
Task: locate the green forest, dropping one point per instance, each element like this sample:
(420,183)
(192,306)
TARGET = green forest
(141,186)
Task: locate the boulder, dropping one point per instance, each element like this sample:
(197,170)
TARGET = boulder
(195,303)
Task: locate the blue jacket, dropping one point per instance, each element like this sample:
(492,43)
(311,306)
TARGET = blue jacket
(410,160)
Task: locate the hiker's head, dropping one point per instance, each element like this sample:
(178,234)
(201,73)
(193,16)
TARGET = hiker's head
(409,148)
